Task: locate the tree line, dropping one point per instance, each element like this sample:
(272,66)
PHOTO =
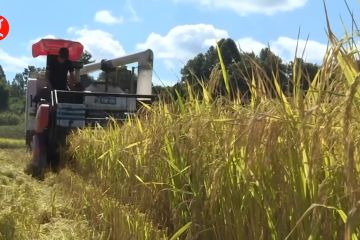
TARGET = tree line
(12,94)
(243,68)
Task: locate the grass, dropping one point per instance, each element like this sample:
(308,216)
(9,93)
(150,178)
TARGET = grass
(12,126)
(13,131)
(214,168)
(8,118)
(63,206)
(37,210)
(11,143)
(105,213)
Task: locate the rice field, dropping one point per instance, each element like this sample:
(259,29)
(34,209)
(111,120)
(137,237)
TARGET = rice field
(31,209)
(206,167)
(11,143)
(13,131)
(216,168)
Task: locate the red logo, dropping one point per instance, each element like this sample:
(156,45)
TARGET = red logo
(4,27)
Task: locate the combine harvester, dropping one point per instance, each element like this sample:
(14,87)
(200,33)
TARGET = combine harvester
(52,114)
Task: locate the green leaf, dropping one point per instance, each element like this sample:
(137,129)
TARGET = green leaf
(223,70)
(181,231)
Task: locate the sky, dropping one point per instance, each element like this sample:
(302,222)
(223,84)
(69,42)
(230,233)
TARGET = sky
(176,30)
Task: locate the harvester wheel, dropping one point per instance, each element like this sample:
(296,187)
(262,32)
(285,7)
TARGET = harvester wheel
(53,152)
(53,159)
(39,154)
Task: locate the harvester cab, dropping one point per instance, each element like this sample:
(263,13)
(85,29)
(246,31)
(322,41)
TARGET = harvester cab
(51,114)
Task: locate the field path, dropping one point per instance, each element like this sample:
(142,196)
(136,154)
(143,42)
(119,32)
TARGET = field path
(32,209)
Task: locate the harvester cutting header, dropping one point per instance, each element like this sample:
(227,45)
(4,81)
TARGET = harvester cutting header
(56,103)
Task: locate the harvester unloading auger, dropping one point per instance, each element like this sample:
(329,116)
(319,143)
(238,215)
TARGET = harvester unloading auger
(52,114)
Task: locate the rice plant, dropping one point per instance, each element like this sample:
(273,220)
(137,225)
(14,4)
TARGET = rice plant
(215,168)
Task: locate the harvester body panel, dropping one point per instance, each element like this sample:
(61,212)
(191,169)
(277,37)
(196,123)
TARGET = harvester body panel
(42,118)
(69,110)
(70,115)
(34,86)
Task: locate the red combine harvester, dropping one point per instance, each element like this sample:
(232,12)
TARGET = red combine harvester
(52,114)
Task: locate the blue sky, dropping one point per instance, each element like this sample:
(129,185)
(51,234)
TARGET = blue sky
(176,30)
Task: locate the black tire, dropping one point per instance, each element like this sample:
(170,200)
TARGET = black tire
(53,151)
(28,139)
(39,162)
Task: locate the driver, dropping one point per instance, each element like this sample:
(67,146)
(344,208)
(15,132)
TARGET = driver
(58,69)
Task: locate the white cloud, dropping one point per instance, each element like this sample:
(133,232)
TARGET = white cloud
(183,42)
(106,17)
(249,44)
(13,64)
(16,64)
(99,43)
(244,7)
(285,47)
(49,36)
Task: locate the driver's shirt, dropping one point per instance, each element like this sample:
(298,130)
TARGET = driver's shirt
(58,73)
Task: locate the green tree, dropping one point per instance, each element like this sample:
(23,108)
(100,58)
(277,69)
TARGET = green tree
(306,71)
(29,71)
(241,67)
(170,94)
(17,88)
(241,74)
(238,66)
(2,74)
(273,66)
(121,77)
(86,58)
(86,79)
(201,67)
(17,94)
(229,51)
(4,91)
